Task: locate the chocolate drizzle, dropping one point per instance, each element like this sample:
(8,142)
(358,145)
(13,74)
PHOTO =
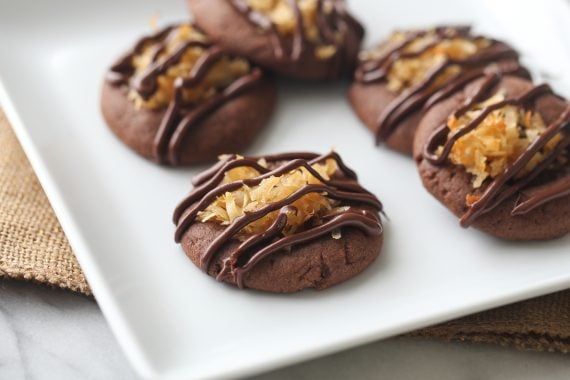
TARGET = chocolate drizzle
(122,70)
(259,246)
(179,117)
(507,183)
(424,93)
(331,25)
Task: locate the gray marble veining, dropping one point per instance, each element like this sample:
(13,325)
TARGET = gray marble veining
(52,334)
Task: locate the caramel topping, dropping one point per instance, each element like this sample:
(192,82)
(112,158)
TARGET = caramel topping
(234,204)
(422,55)
(225,71)
(283,15)
(498,140)
(507,141)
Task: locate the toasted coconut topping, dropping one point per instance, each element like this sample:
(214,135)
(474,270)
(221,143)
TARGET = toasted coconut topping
(497,142)
(282,16)
(310,208)
(224,72)
(409,71)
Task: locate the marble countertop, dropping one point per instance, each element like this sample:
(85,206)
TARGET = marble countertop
(53,334)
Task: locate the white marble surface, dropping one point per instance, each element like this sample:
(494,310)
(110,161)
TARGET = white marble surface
(52,334)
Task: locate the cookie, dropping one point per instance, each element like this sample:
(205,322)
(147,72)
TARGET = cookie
(496,154)
(307,39)
(395,81)
(280,223)
(177,99)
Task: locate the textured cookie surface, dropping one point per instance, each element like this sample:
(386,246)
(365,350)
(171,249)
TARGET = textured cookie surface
(177,99)
(281,48)
(280,223)
(369,100)
(230,128)
(396,79)
(451,184)
(318,264)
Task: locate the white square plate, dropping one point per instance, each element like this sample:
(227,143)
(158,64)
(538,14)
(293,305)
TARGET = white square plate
(115,207)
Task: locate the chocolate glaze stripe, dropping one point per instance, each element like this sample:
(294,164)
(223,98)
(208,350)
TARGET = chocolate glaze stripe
(172,130)
(145,84)
(255,240)
(510,68)
(349,219)
(414,98)
(299,42)
(377,69)
(362,219)
(441,133)
(123,69)
(209,189)
(492,79)
(498,190)
(497,51)
(384,66)
(324,24)
(492,53)
(169,122)
(347,19)
(369,71)
(337,24)
(521,183)
(432,140)
(239,223)
(545,194)
(237,87)
(202,65)
(207,174)
(167,125)
(178,118)
(419,95)
(208,180)
(327,31)
(313,158)
(207,193)
(260,20)
(158,51)
(497,185)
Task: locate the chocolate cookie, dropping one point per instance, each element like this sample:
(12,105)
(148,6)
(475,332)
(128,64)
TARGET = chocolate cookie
(496,153)
(397,79)
(280,223)
(307,39)
(177,99)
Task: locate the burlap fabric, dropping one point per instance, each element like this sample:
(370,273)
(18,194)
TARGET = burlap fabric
(33,247)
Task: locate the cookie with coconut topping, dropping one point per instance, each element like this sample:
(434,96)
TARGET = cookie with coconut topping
(280,223)
(395,81)
(177,99)
(496,153)
(307,39)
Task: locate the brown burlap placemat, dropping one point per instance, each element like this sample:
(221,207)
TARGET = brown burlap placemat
(33,247)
